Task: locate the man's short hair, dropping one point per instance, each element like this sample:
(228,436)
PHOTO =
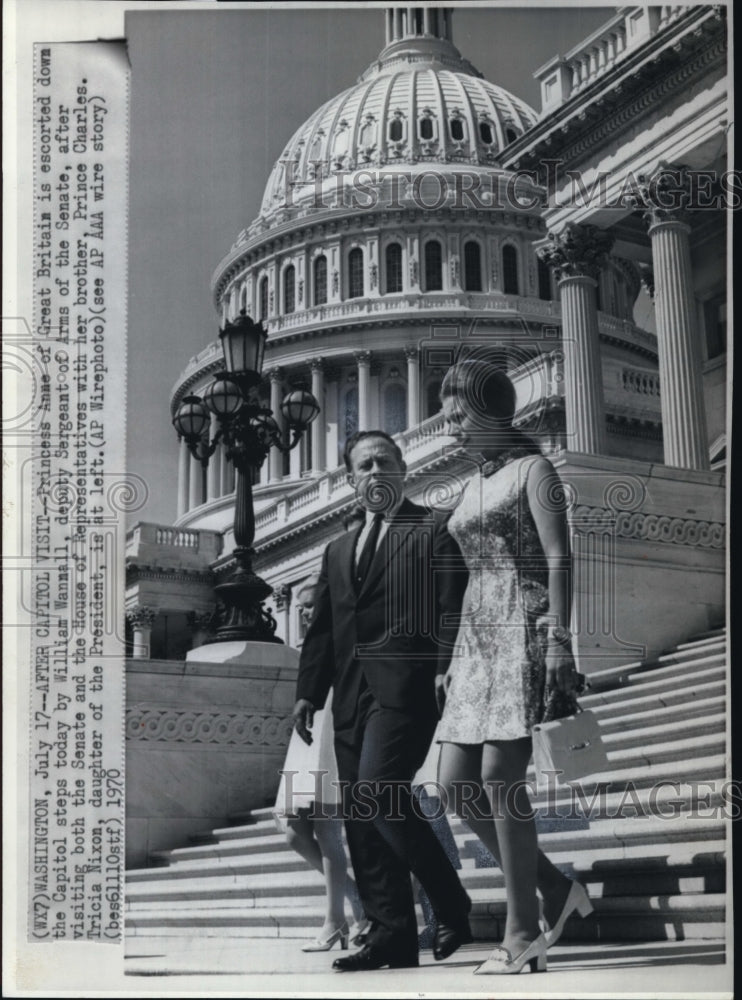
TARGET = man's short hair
(354,439)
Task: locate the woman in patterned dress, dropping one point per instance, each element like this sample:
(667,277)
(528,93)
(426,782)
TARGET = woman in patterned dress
(514,656)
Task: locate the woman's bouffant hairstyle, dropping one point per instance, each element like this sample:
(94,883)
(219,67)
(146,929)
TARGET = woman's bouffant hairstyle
(486,394)
(483,391)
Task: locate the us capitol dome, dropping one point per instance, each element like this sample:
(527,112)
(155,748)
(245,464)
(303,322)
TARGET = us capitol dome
(389,224)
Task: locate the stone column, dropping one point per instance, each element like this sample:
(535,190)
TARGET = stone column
(184,460)
(684,431)
(576,254)
(275,458)
(141,619)
(213,472)
(413,385)
(319,454)
(195,484)
(363,360)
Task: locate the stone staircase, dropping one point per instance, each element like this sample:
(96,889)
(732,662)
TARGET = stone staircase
(647,837)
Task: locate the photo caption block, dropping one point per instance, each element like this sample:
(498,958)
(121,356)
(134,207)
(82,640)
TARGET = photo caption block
(78,492)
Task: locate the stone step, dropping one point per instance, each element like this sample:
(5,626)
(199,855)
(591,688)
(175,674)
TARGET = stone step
(623,737)
(678,698)
(617,787)
(658,689)
(652,868)
(638,768)
(563,835)
(688,718)
(702,708)
(713,633)
(676,666)
(611,677)
(699,910)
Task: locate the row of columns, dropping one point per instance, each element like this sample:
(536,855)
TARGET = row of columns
(400,22)
(577,254)
(220,480)
(192,490)
(141,620)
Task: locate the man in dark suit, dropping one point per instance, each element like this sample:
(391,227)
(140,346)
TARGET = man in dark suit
(384,626)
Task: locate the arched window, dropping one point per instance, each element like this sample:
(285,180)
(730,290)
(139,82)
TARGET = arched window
(395,408)
(510,270)
(433,266)
(426,128)
(544,280)
(472,267)
(320,280)
(433,397)
(457,129)
(263,297)
(393,261)
(355,273)
(349,417)
(510,134)
(485,132)
(289,286)
(395,130)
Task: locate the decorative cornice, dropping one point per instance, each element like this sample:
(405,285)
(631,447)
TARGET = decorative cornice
(604,116)
(168,725)
(649,527)
(137,571)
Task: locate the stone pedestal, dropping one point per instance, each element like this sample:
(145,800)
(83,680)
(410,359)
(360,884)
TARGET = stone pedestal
(648,547)
(206,738)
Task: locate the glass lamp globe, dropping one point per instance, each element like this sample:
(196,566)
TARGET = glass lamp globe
(299,408)
(192,418)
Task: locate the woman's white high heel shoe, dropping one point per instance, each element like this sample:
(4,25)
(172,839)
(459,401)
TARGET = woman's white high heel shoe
(324,944)
(577,899)
(501,962)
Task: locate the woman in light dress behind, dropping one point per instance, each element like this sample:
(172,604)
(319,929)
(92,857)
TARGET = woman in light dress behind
(307,811)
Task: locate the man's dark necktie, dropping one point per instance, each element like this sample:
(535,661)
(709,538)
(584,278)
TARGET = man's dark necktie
(369,548)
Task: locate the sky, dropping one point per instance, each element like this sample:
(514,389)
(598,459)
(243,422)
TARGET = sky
(215,96)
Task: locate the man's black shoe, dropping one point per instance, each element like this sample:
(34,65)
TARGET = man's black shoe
(448,939)
(369,958)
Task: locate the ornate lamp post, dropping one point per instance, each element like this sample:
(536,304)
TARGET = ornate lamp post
(248,431)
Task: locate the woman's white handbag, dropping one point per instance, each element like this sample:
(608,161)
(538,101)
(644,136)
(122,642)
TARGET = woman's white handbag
(568,748)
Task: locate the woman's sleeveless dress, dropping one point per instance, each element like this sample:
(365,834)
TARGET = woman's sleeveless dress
(299,787)
(498,676)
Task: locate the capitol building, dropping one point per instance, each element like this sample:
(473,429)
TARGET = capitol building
(427,214)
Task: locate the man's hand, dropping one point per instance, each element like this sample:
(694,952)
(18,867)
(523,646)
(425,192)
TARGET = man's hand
(303,716)
(442,684)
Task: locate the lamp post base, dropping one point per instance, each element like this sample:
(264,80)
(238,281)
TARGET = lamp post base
(244,618)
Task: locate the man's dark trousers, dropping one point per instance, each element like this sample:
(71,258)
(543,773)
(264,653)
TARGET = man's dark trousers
(378,757)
